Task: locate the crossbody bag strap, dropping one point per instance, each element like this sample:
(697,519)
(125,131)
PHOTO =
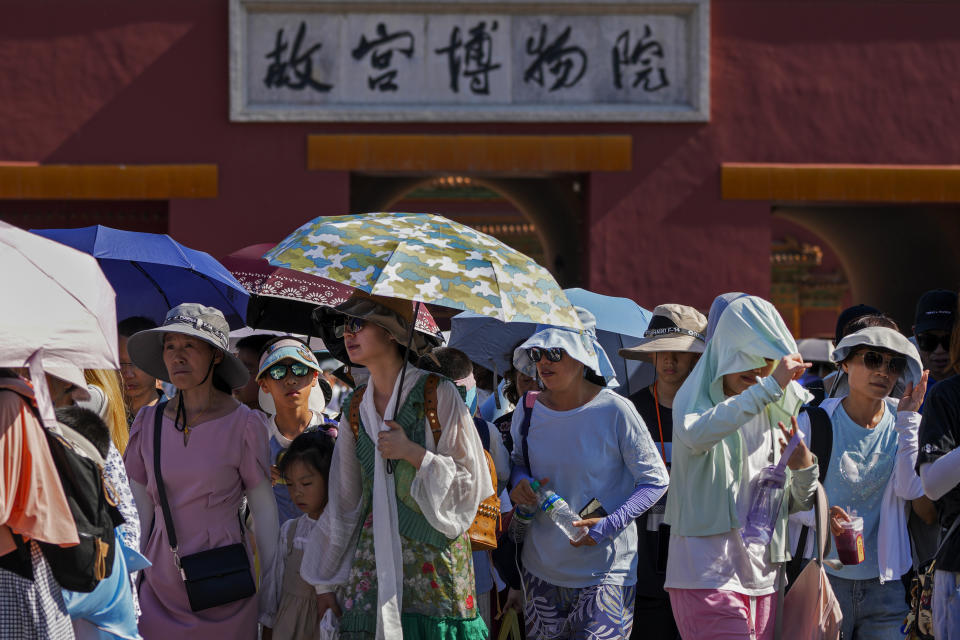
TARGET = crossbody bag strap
(161,490)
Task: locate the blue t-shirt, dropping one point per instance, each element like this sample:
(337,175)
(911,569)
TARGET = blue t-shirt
(286,510)
(860,467)
(600,450)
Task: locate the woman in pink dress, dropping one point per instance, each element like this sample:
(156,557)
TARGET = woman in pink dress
(213,452)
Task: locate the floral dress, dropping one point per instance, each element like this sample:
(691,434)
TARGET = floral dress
(438,580)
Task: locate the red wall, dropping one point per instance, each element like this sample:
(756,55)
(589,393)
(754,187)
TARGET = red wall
(842,81)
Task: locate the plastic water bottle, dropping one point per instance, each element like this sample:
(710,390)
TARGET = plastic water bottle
(559,511)
(765,507)
(520,522)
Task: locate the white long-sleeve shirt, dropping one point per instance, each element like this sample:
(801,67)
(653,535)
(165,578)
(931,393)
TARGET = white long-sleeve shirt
(452,480)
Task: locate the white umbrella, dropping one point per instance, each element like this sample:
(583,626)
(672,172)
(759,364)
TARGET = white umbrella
(59,311)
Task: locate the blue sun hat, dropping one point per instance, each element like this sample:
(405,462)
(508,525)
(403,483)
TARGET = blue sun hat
(580,344)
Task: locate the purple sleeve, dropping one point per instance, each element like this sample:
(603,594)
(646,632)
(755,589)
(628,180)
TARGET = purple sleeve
(519,473)
(642,498)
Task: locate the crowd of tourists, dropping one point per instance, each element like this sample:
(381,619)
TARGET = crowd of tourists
(265,490)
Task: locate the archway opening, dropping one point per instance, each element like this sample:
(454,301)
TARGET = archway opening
(808,282)
(470,202)
(541,216)
(891,254)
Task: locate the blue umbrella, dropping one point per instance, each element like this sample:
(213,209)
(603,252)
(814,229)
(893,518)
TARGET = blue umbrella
(620,323)
(152,273)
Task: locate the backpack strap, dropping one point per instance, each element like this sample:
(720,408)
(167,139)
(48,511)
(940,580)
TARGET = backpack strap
(821,445)
(354,416)
(430,405)
(821,438)
(483,430)
(529,400)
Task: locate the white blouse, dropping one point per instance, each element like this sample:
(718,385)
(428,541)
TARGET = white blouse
(452,480)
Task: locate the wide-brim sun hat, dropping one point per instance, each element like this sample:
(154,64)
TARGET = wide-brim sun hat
(392,314)
(673,327)
(580,344)
(190,319)
(888,340)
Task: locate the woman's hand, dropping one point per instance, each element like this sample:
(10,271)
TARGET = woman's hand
(523,493)
(327,601)
(913,396)
(801,458)
(837,515)
(790,367)
(395,445)
(514,601)
(587,540)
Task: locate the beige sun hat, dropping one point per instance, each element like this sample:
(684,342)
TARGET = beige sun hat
(673,327)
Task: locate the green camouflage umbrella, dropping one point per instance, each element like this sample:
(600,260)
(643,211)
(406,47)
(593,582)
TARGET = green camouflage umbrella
(425,257)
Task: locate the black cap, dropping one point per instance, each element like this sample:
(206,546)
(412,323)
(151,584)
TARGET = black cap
(849,315)
(935,311)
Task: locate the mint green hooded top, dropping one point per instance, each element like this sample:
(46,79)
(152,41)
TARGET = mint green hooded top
(707,446)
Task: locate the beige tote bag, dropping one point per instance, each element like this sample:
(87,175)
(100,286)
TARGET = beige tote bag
(810,610)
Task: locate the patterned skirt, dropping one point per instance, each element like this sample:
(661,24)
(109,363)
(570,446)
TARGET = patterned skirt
(438,592)
(33,609)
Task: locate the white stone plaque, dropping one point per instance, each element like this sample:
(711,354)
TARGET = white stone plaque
(459,60)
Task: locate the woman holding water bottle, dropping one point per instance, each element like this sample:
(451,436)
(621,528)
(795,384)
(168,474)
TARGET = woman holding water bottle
(871,477)
(728,428)
(587,446)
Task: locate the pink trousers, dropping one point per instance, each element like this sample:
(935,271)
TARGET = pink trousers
(713,614)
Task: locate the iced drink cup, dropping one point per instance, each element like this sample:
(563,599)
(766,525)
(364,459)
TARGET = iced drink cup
(850,542)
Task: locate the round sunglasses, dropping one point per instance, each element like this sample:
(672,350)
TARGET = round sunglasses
(930,341)
(351,325)
(280,371)
(875,361)
(553,354)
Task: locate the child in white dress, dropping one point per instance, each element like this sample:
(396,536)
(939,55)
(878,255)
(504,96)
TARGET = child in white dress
(292,611)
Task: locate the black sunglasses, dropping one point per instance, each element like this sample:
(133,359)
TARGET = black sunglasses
(280,371)
(553,354)
(930,341)
(874,360)
(351,325)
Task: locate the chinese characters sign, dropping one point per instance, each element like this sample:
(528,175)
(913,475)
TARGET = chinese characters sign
(542,63)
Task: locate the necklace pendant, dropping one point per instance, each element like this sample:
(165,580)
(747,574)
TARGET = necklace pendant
(770,457)
(186,435)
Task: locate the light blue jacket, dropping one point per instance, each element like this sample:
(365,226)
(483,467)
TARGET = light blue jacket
(707,446)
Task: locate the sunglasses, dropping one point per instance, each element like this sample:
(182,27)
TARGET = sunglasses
(280,371)
(930,341)
(874,360)
(553,354)
(352,325)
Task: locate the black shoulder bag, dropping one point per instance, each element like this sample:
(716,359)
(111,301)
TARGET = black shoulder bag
(214,577)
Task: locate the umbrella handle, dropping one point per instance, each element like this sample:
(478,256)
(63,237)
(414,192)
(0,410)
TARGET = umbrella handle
(403,372)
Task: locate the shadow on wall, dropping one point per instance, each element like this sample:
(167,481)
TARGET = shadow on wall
(891,254)
(554,205)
